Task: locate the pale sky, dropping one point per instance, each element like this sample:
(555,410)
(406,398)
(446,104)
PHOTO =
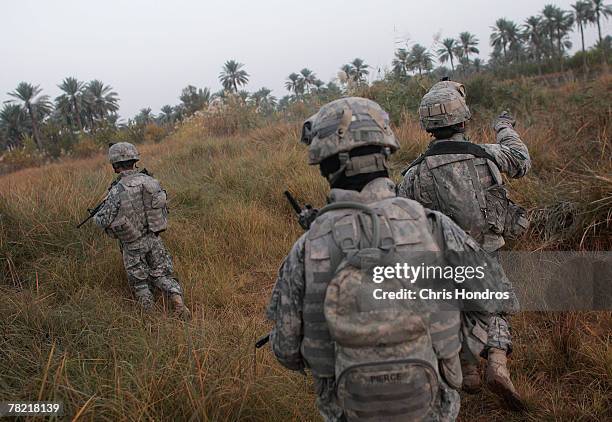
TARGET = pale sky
(149,50)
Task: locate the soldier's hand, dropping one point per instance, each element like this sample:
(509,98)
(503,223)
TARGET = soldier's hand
(307,216)
(505,119)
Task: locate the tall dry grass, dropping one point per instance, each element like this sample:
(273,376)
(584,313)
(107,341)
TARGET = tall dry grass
(71,332)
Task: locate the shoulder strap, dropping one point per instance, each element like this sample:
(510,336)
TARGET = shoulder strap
(451,147)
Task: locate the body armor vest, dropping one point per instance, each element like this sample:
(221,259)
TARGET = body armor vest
(466,189)
(142,208)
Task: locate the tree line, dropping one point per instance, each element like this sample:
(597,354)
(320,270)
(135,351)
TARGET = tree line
(88,108)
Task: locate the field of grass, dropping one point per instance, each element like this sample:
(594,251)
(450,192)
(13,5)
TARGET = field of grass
(70,331)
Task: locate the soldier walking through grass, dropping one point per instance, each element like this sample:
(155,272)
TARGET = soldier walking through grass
(371,359)
(135,212)
(464,181)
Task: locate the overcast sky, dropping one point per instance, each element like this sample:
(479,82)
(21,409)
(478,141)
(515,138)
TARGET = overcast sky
(149,50)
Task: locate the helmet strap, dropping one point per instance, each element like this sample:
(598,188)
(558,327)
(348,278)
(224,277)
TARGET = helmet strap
(352,166)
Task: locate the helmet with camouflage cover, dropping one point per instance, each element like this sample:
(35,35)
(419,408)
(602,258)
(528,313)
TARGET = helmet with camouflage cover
(444,105)
(345,124)
(122,151)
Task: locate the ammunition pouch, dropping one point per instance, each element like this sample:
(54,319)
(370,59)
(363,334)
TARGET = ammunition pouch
(503,216)
(156,210)
(123,230)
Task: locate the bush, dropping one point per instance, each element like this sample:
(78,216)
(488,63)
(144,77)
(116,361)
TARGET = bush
(86,147)
(154,133)
(20,158)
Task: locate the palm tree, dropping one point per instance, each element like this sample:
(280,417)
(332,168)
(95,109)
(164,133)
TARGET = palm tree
(73,91)
(243,95)
(564,21)
(532,31)
(477,64)
(348,71)
(500,36)
(144,116)
(359,70)
(583,14)
(557,23)
(194,99)
(100,101)
(166,115)
(600,10)
(294,83)
(232,76)
(12,124)
(447,51)
(515,38)
(400,62)
(36,106)
(468,43)
(264,102)
(548,13)
(419,59)
(318,84)
(308,78)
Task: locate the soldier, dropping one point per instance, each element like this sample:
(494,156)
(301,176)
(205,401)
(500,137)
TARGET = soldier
(370,359)
(135,213)
(464,181)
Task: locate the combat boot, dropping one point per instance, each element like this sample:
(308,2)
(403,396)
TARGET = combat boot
(471,377)
(498,380)
(180,310)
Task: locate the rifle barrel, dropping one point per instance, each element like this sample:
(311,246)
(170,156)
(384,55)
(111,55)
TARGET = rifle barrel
(262,341)
(294,204)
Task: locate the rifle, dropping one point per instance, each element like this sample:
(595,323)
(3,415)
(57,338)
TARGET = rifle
(262,341)
(306,216)
(91,212)
(94,211)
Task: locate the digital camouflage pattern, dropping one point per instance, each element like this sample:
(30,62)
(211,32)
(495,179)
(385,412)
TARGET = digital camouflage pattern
(134,212)
(344,124)
(463,187)
(457,184)
(148,265)
(122,151)
(444,105)
(301,337)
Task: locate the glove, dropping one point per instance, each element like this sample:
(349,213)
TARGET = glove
(502,121)
(307,216)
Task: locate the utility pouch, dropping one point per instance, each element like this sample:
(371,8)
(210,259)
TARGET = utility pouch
(497,208)
(156,210)
(517,222)
(123,230)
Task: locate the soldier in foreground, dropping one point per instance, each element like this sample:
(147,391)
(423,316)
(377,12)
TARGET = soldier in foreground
(464,181)
(135,213)
(370,359)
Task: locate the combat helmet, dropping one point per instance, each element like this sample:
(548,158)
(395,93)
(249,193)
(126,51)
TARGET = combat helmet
(345,124)
(444,105)
(122,151)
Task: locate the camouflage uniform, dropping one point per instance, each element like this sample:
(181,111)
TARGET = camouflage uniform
(421,184)
(287,306)
(301,337)
(134,212)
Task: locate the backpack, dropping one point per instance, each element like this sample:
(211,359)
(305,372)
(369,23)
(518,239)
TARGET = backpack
(386,366)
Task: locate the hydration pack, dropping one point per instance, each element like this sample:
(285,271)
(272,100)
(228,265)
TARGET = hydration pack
(385,360)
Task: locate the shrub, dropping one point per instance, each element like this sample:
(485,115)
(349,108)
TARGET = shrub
(154,133)
(86,147)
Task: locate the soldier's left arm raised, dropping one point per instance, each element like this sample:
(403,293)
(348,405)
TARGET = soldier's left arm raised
(510,152)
